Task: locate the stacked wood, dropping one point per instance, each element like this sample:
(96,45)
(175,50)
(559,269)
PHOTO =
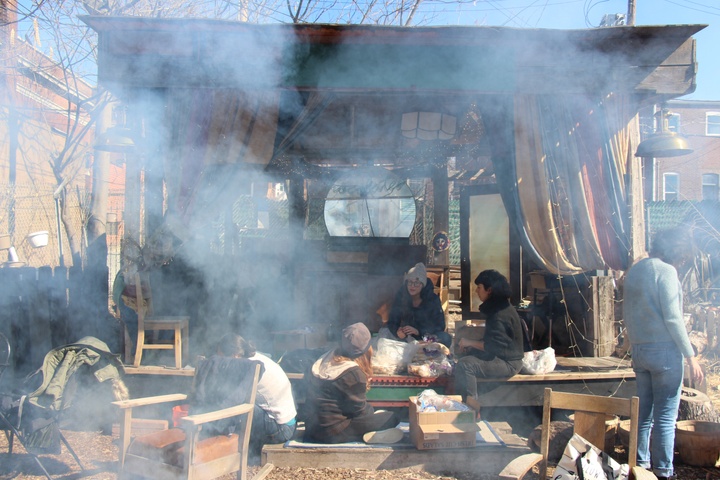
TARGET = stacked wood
(706,329)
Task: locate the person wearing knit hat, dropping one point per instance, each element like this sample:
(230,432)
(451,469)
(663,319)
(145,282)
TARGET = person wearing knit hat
(336,402)
(417,312)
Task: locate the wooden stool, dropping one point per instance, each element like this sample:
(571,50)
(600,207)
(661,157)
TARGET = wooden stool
(179,325)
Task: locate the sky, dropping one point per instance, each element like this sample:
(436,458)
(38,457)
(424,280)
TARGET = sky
(574,14)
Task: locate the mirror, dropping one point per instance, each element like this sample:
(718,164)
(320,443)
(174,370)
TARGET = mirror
(370,203)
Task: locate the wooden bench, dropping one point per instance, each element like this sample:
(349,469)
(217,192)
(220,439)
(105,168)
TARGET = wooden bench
(607,376)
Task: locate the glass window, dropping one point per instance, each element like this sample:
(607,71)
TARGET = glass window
(710,186)
(713,123)
(674,122)
(671,186)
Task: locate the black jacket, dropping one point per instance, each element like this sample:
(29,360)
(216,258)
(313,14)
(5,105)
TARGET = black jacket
(428,318)
(222,382)
(503,331)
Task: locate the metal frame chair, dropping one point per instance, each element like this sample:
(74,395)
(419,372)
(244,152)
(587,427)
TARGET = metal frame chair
(16,429)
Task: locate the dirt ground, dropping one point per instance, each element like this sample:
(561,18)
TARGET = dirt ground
(98,453)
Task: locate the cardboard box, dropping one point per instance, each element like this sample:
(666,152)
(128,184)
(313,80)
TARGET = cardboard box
(437,430)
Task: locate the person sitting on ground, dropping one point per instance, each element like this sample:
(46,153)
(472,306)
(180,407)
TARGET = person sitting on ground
(499,354)
(274,412)
(417,312)
(338,410)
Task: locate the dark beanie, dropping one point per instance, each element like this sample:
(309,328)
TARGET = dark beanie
(355,340)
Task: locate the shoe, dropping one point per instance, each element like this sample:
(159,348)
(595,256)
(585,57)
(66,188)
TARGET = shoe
(391,435)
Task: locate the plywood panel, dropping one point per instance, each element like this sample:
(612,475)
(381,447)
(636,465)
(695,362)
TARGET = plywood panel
(489,238)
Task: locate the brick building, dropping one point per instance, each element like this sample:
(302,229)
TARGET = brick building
(46,132)
(695,176)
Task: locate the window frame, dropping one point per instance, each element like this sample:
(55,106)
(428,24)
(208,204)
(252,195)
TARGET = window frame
(667,175)
(707,185)
(674,122)
(715,124)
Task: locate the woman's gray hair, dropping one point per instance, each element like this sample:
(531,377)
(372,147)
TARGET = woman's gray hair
(672,245)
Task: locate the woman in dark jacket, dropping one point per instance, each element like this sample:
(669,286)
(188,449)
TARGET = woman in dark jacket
(499,354)
(417,311)
(338,410)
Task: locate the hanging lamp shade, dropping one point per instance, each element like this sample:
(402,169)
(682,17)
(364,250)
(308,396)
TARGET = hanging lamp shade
(115,140)
(428,125)
(663,143)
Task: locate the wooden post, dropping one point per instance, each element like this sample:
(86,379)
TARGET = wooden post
(440,208)
(600,331)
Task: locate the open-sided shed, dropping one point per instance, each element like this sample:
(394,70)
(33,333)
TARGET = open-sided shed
(546,120)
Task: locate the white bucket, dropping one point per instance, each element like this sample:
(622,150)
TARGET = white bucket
(38,239)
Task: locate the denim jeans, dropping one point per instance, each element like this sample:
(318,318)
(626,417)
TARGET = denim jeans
(266,430)
(469,368)
(658,376)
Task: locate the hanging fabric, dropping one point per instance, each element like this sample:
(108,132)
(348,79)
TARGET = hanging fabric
(563,187)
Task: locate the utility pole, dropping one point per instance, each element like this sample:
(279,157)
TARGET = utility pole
(631,13)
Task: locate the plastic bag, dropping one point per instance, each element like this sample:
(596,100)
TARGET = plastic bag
(431,401)
(539,362)
(431,360)
(582,460)
(392,357)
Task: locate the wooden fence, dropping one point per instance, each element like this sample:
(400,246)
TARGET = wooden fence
(42,308)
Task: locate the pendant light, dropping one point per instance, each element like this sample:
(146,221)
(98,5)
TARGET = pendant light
(663,143)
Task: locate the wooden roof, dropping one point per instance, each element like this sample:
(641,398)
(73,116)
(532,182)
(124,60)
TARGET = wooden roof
(375,73)
(157,53)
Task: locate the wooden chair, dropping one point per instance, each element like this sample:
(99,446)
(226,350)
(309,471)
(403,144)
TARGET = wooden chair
(180,452)
(590,415)
(179,325)
(437,276)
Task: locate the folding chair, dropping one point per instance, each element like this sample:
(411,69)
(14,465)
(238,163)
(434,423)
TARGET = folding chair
(33,417)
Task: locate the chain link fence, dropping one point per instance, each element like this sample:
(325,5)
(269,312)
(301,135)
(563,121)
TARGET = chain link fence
(25,209)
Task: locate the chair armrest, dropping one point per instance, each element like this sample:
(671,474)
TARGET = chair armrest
(126,412)
(199,419)
(520,466)
(144,401)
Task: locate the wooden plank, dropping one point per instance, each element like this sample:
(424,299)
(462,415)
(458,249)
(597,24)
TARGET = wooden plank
(159,370)
(515,394)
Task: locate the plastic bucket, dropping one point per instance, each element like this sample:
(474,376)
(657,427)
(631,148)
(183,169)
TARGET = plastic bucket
(178,412)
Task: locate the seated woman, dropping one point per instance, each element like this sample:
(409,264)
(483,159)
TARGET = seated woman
(417,311)
(499,354)
(338,410)
(274,413)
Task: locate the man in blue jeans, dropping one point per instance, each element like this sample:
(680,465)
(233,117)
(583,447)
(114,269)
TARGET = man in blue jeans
(274,413)
(653,315)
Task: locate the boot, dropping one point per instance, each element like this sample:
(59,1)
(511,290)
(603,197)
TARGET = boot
(473,403)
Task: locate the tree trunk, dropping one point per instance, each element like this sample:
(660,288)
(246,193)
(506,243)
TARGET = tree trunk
(73,231)
(100,181)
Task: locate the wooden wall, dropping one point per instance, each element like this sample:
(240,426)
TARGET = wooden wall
(43,308)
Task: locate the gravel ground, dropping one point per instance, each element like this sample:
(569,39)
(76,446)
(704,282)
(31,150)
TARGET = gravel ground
(99,452)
